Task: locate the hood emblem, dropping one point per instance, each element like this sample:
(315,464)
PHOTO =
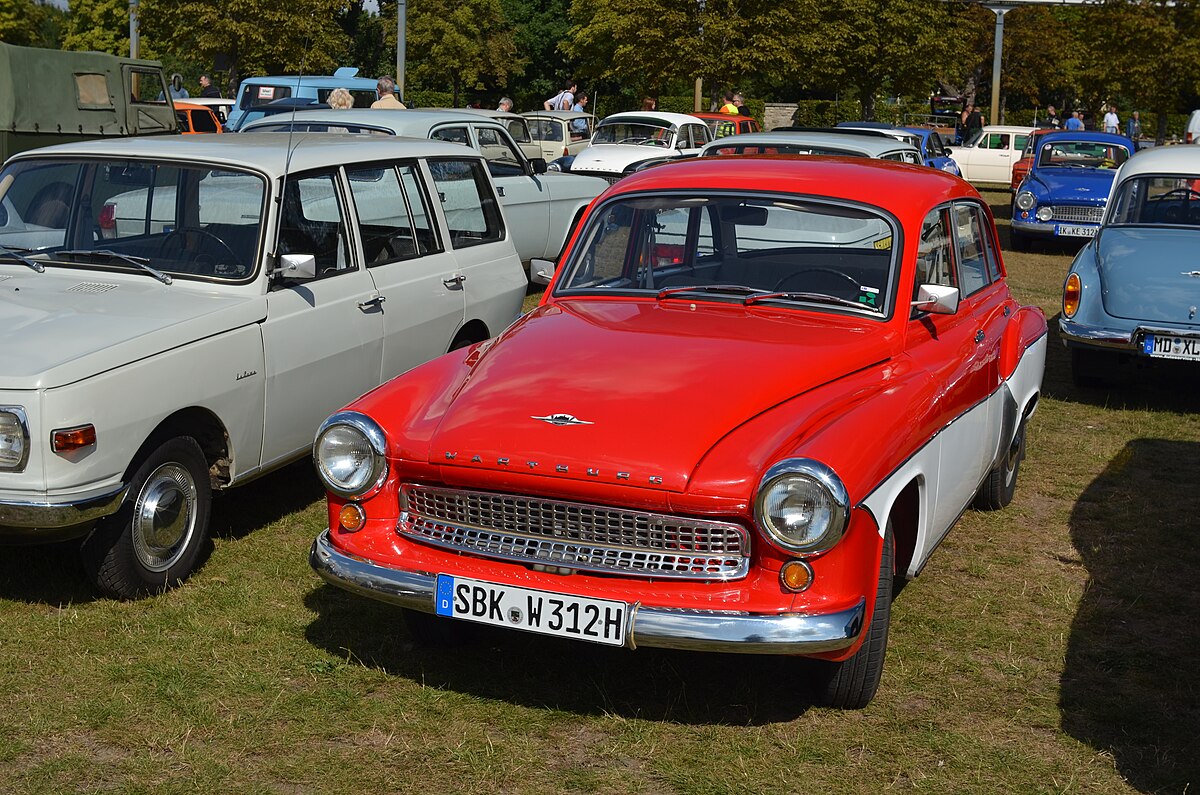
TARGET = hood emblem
(562,419)
(1190,273)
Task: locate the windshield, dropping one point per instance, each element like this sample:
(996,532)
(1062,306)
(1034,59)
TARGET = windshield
(184,220)
(735,247)
(1172,200)
(1081,154)
(642,132)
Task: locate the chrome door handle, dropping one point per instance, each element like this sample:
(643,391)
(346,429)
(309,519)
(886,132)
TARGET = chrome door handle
(979,336)
(373,302)
(454,281)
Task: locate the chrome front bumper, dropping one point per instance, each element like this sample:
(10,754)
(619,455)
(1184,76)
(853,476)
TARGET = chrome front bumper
(48,521)
(697,630)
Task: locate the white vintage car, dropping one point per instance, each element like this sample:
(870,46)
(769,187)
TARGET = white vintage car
(177,317)
(541,207)
(623,140)
(561,133)
(989,156)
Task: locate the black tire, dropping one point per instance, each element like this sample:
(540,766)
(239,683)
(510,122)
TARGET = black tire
(851,684)
(427,629)
(1000,485)
(154,541)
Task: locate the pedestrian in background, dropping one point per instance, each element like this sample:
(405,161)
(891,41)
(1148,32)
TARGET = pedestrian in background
(649,103)
(740,102)
(728,107)
(1052,120)
(386,88)
(207,89)
(340,99)
(1075,123)
(1112,124)
(564,99)
(973,124)
(505,105)
(1133,127)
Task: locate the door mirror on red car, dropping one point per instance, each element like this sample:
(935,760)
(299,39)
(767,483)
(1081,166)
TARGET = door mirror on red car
(938,299)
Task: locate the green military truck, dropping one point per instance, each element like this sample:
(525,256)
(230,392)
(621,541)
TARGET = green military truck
(54,96)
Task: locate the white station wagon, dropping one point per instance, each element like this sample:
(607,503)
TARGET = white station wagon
(180,316)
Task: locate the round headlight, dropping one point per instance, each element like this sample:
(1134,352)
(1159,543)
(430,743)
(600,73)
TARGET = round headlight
(349,454)
(802,505)
(950,168)
(1025,200)
(1045,213)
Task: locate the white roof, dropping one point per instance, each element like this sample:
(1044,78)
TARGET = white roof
(414,123)
(660,116)
(265,152)
(1177,159)
(1007,128)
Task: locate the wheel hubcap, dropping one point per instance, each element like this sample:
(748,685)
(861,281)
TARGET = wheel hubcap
(164,517)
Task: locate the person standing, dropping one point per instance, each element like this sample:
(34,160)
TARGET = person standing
(386,88)
(649,103)
(505,105)
(973,125)
(1052,120)
(579,126)
(207,89)
(1112,124)
(563,100)
(340,99)
(1075,123)
(740,102)
(1133,127)
(728,107)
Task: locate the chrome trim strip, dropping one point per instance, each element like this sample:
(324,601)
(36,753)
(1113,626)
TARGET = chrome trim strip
(696,630)
(23,421)
(49,515)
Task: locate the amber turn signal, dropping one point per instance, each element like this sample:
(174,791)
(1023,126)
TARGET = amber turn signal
(68,439)
(1071,293)
(352,517)
(796,576)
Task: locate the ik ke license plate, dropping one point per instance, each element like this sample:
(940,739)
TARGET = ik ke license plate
(579,617)
(1064,230)
(1165,346)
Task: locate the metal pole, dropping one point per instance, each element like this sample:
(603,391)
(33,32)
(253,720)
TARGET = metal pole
(401,33)
(134,47)
(999,48)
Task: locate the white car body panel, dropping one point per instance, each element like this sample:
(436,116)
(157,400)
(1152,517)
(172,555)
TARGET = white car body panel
(981,162)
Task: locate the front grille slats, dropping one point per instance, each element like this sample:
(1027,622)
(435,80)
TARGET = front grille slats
(574,535)
(1083,215)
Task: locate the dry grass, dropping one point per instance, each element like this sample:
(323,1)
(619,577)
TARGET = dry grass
(1049,647)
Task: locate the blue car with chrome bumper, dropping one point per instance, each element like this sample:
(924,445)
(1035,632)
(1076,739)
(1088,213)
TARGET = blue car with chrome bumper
(1067,187)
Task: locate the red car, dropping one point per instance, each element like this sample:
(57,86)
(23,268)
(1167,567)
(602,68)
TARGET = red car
(723,124)
(1020,168)
(757,393)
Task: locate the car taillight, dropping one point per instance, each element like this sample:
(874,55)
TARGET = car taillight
(108,221)
(1071,293)
(1187,139)
(566,152)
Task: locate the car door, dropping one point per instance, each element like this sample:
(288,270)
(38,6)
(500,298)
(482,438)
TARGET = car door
(996,165)
(526,199)
(419,288)
(323,337)
(950,348)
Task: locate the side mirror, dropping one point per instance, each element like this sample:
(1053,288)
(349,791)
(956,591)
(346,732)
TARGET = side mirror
(541,271)
(297,266)
(938,299)
(538,164)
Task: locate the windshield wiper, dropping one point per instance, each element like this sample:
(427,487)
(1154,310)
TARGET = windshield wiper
(736,289)
(19,255)
(821,298)
(137,262)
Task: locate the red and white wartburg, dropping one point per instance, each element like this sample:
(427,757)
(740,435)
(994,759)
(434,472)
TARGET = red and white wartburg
(756,395)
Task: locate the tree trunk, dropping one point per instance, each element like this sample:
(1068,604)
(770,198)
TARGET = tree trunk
(1160,135)
(867,100)
(457,82)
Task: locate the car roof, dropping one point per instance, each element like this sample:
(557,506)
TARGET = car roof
(653,115)
(266,152)
(868,145)
(1094,137)
(1181,159)
(905,190)
(346,79)
(1007,128)
(557,114)
(415,123)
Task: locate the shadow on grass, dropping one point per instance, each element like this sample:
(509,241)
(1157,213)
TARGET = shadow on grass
(53,574)
(1129,686)
(539,672)
(1132,382)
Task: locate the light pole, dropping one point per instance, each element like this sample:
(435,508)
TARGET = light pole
(699,78)
(133,29)
(401,32)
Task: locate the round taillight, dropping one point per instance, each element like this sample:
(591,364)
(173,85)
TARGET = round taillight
(1072,291)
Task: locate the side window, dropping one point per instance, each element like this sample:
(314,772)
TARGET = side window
(1020,142)
(418,204)
(204,122)
(312,222)
(385,222)
(934,263)
(472,212)
(454,135)
(976,263)
(501,153)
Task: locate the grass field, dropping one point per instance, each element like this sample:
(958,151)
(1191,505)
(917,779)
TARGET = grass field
(1048,647)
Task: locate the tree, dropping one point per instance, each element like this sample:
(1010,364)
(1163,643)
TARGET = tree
(539,28)
(100,25)
(466,46)
(29,23)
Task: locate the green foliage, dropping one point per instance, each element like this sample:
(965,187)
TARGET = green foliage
(31,23)
(100,25)
(539,28)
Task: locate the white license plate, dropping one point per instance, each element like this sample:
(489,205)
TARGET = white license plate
(1063,230)
(544,612)
(1166,346)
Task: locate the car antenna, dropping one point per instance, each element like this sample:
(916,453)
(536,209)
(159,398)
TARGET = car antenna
(287,163)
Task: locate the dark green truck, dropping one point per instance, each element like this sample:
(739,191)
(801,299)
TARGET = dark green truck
(59,96)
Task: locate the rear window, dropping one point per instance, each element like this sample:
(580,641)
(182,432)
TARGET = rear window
(472,211)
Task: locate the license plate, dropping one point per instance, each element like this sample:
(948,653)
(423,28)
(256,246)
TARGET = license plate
(547,613)
(1063,230)
(1165,346)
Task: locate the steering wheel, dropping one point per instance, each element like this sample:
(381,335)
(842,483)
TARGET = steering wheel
(181,236)
(1179,193)
(832,271)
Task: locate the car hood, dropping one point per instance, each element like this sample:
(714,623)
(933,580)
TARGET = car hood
(1088,186)
(63,326)
(1145,273)
(614,391)
(616,157)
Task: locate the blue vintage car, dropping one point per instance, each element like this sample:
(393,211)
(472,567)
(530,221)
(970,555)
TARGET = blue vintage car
(1067,186)
(933,150)
(1133,291)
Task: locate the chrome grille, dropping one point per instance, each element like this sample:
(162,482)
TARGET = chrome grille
(604,175)
(1083,215)
(574,535)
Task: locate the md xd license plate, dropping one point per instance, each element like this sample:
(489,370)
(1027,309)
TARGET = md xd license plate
(1064,230)
(578,617)
(1165,346)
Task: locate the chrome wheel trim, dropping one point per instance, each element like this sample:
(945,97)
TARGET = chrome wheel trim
(164,517)
(1013,457)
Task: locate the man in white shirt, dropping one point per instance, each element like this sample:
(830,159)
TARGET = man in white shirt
(1111,123)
